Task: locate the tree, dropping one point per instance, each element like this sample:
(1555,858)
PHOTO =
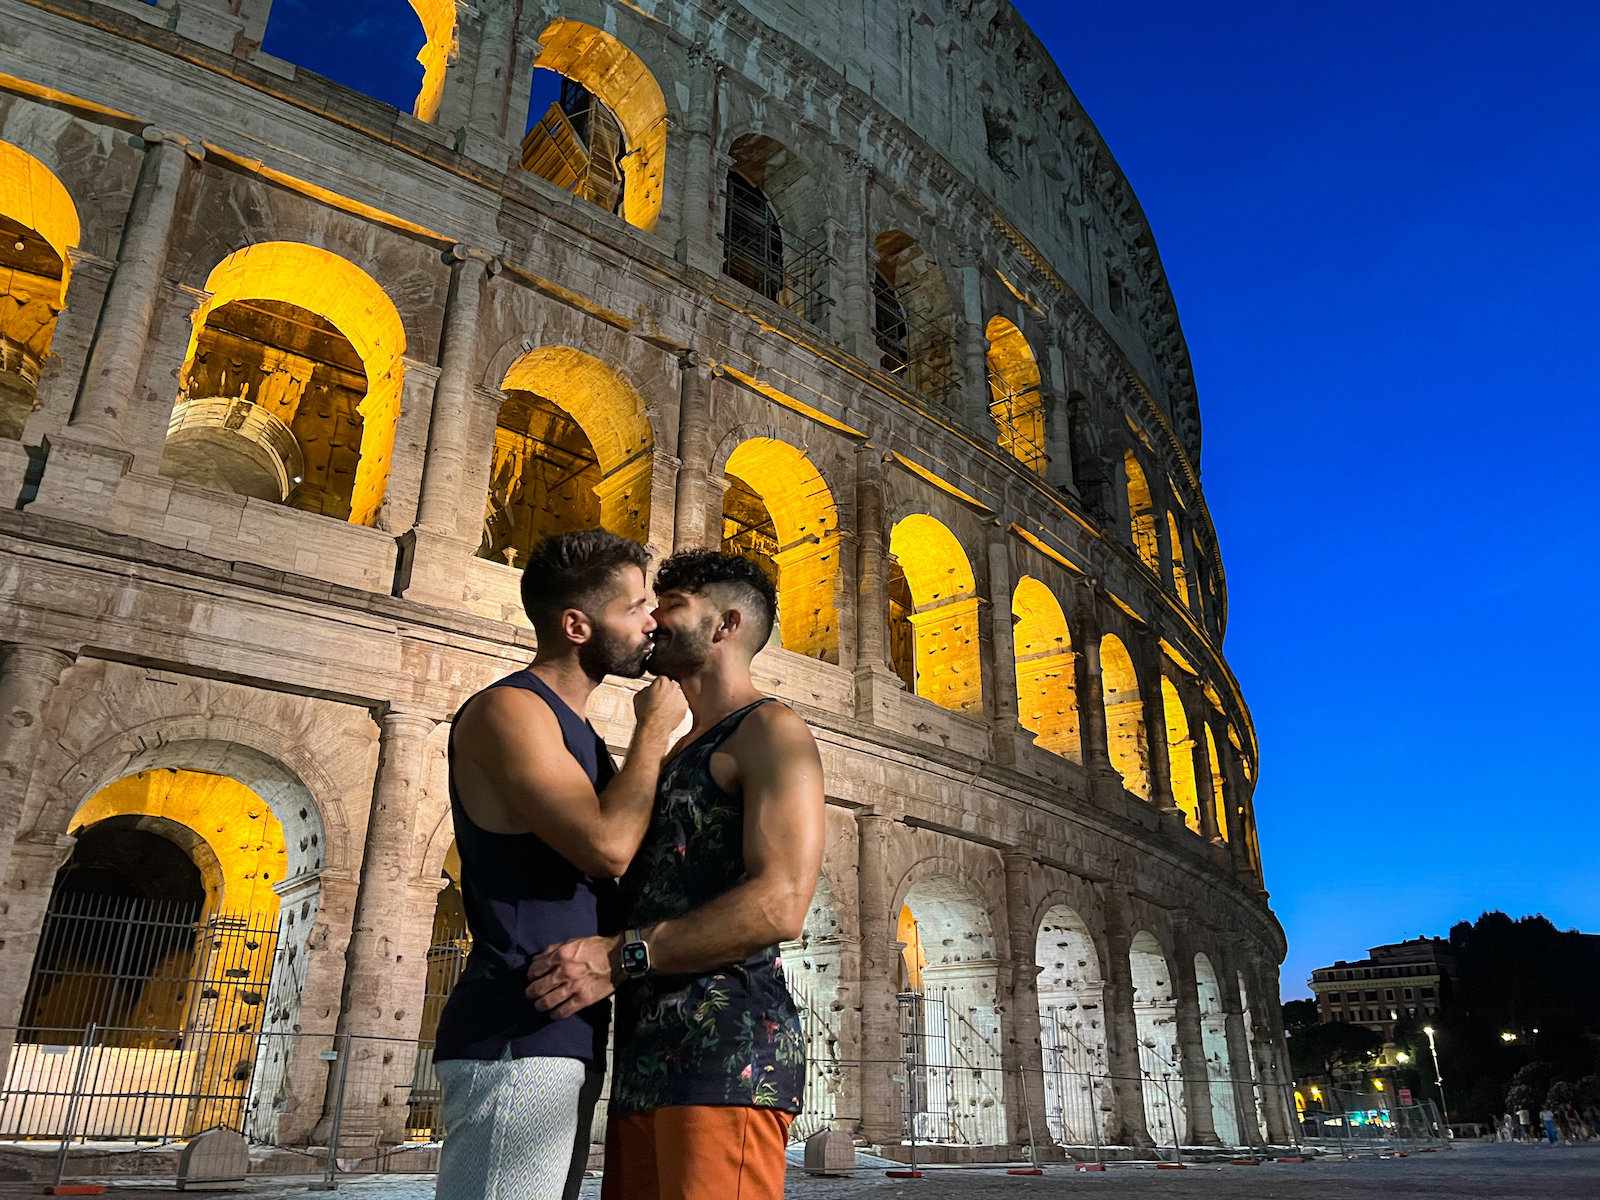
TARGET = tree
(1320,1050)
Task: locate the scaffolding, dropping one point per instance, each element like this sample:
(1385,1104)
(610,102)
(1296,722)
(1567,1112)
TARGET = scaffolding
(577,145)
(1019,422)
(916,349)
(792,271)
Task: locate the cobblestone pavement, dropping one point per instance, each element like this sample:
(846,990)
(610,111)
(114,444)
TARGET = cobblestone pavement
(1466,1172)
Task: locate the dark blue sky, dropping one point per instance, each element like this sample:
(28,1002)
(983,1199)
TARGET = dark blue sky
(1379,221)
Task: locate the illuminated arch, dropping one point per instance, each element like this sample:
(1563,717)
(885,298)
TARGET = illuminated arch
(1141,513)
(1180,572)
(944,612)
(1072,1026)
(38,229)
(1155,1012)
(1219,790)
(1125,730)
(1015,402)
(1046,702)
(1180,755)
(341,293)
(438,19)
(606,469)
(619,78)
(802,545)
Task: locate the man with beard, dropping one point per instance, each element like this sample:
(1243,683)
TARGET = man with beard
(544,823)
(710,1056)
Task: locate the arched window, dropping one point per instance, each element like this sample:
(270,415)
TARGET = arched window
(572,450)
(1072,1028)
(752,239)
(779,511)
(1046,701)
(291,388)
(773,239)
(943,615)
(919,348)
(1125,730)
(1141,513)
(600,131)
(1180,755)
(1015,402)
(1180,572)
(38,226)
(1161,1065)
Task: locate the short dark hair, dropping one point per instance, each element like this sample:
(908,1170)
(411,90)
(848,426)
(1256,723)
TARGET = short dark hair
(572,570)
(694,571)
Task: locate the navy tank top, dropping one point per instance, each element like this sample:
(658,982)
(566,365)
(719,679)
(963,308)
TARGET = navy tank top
(520,897)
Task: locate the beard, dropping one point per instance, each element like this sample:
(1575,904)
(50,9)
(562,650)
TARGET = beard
(606,654)
(679,655)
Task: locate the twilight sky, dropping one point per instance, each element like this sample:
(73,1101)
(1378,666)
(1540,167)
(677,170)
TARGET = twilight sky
(1380,223)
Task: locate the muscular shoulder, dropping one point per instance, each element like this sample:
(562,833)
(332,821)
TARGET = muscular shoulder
(772,729)
(505,716)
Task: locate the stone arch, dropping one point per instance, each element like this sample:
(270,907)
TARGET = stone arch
(779,509)
(1141,513)
(1214,1045)
(1047,703)
(1180,755)
(1125,729)
(1072,1027)
(937,605)
(1155,1011)
(573,448)
(1247,1014)
(772,209)
(814,967)
(39,228)
(950,1005)
(914,317)
(1180,570)
(602,64)
(1015,401)
(283,297)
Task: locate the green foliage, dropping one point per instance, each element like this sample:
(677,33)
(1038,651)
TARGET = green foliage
(1298,1015)
(1323,1049)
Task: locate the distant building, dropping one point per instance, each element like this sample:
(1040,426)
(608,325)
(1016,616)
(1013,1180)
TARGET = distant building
(1409,978)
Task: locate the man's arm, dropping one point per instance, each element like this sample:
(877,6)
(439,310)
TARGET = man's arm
(511,746)
(781,775)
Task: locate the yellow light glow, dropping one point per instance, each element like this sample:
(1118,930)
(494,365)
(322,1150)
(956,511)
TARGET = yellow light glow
(1046,698)
(338,290)
(806,521)
(1218,787)
(792,403)
(1141,513)
(944,619)
(33,197)
(1045,548)
(438,19)
(1125,730)
(1180,573)
(944,485)
(1180,756)
(1014,398)
(615,74)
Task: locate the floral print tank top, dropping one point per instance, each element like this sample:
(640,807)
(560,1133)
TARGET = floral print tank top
(726,1037)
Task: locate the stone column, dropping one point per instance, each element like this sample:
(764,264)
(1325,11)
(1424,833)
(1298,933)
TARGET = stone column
(1272,1056)
(1202,1129)
(690,508)
(386,963)
(876,683)
(436,547)
(28,676)
(24,896)
(880,973)
(1058,423)
(501,79)
(1003,651)
(1104,781)
(855,319)
(1122,1026)
(88,458)
(1025,1070)
(699,244)
(1240,1068)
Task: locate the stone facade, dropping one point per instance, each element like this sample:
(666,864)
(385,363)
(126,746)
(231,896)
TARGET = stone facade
(933,152)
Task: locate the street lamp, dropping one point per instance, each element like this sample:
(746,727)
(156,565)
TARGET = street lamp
(1444,1104)
(1402,1057)
(1508,1036)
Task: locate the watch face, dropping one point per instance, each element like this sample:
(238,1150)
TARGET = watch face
(635,958)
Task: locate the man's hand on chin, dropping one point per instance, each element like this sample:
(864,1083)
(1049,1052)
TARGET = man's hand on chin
(570,976)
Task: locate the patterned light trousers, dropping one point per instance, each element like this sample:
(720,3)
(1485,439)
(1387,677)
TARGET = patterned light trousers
(516,1128)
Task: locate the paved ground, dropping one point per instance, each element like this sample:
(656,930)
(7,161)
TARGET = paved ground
(1465,1172)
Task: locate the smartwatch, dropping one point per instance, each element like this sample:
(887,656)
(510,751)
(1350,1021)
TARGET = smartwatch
(635,954)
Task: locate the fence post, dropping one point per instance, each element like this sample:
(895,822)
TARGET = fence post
(329,1182)
(84,1052)
(1172,1116)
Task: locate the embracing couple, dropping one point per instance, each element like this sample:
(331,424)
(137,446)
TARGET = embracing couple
(669,881)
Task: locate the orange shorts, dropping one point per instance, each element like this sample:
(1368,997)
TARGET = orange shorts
(695,1152)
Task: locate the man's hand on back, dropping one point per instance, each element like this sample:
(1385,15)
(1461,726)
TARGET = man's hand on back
(570,976)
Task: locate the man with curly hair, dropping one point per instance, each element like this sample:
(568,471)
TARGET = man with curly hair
(710,1056)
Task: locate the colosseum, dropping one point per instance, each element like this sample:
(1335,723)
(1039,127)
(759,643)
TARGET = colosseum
(292,380)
